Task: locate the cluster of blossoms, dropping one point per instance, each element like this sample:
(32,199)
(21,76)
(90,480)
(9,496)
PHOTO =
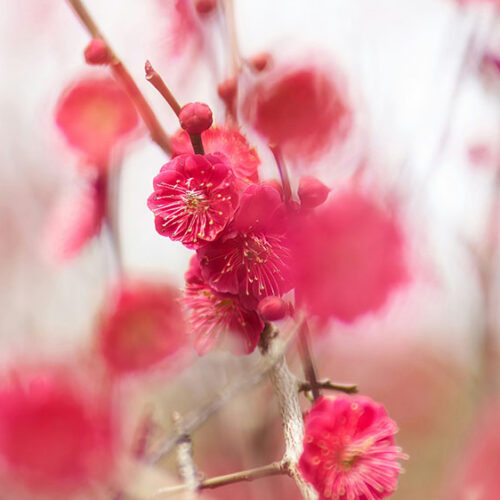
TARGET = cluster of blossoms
(213,204)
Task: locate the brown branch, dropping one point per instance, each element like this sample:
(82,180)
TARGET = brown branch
(328,385)
(285,388)
(273,469)
(158,135)
(285,181)
(307,360)
(154,78)
(197,418)
(185,461)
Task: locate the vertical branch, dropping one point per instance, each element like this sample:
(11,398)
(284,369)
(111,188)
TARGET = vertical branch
(185,462)
(158,135)
(285,387)
(232,37)
(307,360)
(285,181)
(486,269)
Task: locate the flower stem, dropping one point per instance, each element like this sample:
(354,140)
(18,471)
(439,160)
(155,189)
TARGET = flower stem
(158,135)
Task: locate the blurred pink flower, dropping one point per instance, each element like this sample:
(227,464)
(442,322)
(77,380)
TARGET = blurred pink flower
(141,325)
(94,114)
(56,437)
(302,109)
(74,220)
(349,449)
(348,257)
(252,257)
(194,198)
(214,315)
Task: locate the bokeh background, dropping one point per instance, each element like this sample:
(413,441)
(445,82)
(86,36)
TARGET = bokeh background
(427,123)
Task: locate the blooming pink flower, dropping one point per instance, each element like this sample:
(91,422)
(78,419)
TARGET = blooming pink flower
(348,257)
(141,326)
(215,315)
(349,449)
(94,114)
(56,436)
(194,198)
(232,143)
(252,257)
(75,219)
(301,109)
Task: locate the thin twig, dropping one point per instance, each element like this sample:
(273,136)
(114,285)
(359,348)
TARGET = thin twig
(329,385)
(121,73)
(197,418)
(232,42)
(307,360)
(285,181)
(273,469)
(154,78)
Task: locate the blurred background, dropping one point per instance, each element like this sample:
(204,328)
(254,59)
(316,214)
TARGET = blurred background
(424,80)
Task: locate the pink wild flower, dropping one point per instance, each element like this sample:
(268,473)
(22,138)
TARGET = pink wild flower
(302,109)
(348,257)
(214,316)
(141,326)
(57,434)
(194,198)
(252,257)
(75,219)
(349,449)
(94,114)
(232,143)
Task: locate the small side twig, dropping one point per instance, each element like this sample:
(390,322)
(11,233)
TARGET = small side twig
(158,135)
(273,469)
(285,181)
(329,385)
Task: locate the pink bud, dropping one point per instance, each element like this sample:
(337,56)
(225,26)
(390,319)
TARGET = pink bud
(312,192)
(272,308)
(195,117)
(261,61)
(227,89)
(205,6)
(97,52)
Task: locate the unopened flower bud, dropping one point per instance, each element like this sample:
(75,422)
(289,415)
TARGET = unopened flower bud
(227,89)
(261,61)
(312,192)
(272,308)
(97,52)
(195,117)
(205,6)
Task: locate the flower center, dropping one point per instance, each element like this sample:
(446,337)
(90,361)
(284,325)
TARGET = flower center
(195,200)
